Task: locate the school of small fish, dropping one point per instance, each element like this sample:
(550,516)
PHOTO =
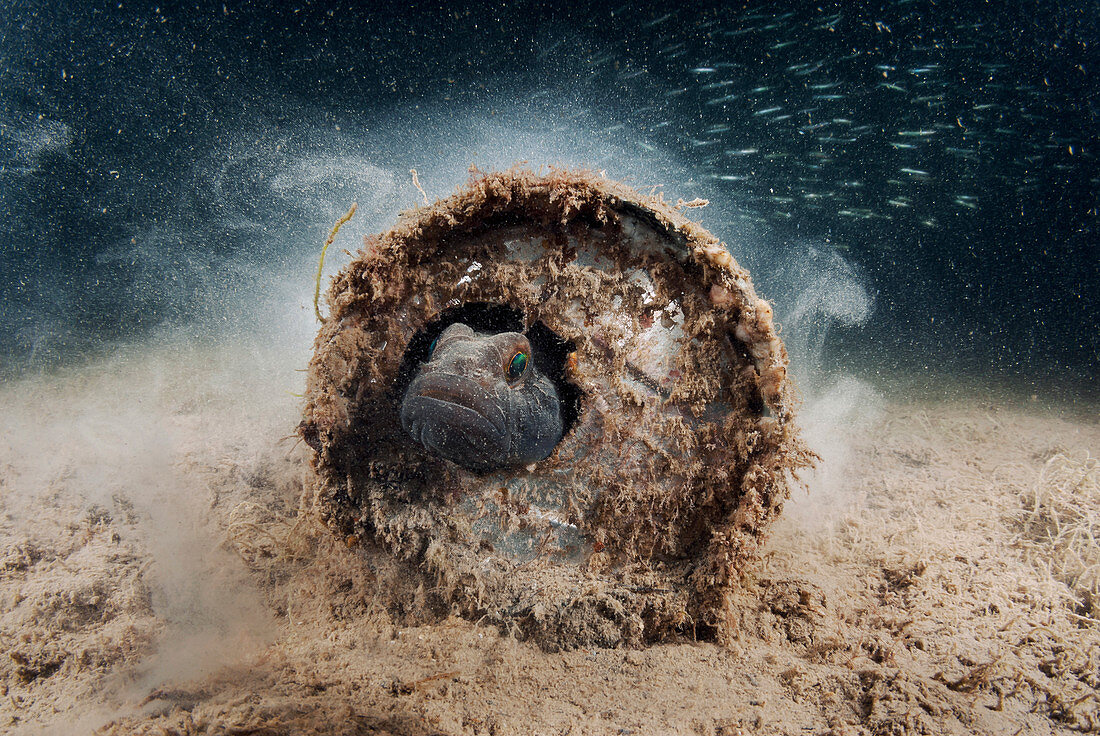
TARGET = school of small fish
(831,114)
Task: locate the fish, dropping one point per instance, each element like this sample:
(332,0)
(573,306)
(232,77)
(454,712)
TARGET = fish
(840,109)
(723,100)
(481,402)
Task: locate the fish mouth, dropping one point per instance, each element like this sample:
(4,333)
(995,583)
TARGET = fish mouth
(458,419)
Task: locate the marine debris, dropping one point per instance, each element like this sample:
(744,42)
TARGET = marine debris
(679,443)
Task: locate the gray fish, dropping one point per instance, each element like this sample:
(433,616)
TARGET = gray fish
(480,402)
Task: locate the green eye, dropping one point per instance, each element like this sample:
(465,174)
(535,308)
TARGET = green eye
(431,348)
(517,366)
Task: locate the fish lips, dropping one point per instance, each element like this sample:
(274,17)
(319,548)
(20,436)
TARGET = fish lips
(457,418)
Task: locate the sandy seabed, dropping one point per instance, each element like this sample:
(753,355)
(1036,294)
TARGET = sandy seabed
(156,577)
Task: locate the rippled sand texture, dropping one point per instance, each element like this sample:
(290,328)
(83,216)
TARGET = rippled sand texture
(155,578)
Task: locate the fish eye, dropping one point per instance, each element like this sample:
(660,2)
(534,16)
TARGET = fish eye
(517,366)
(431,346)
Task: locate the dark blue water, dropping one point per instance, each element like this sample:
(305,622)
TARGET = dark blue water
(915,186)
